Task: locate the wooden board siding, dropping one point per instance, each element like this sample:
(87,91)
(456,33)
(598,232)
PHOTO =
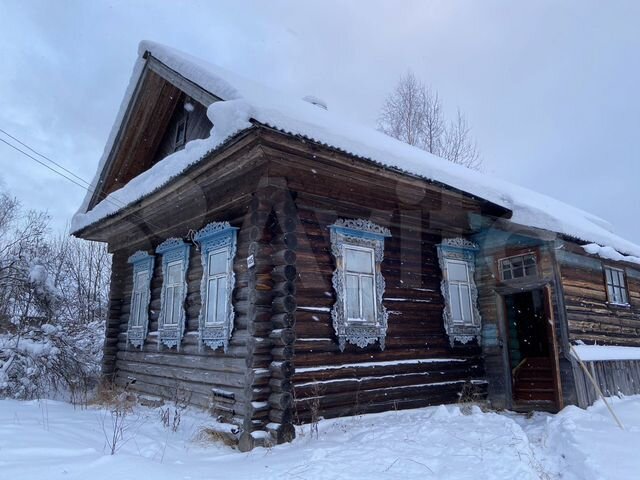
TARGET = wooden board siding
(198,125)
(591,318)
(613,377)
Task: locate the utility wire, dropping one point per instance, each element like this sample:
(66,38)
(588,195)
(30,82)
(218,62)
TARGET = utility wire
(88,188)
(45,157)
(62,167)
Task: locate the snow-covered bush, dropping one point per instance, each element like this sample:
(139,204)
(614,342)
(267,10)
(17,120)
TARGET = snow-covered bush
(60,360)
(53,304)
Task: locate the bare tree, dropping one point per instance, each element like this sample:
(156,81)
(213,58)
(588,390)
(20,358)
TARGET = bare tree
(53,304)
(413,113)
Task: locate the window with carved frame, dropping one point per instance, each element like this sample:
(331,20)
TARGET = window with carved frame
(461,316)
(138,325)
(359,317)
(217,243)
(175,262)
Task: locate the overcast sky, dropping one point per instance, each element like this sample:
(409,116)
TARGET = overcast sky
(550,88)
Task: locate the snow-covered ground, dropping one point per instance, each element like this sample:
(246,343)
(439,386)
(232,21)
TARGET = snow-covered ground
(52,440)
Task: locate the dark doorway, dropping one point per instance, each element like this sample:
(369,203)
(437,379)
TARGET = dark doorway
(530,351)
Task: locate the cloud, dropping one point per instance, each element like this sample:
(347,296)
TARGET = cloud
(549,88)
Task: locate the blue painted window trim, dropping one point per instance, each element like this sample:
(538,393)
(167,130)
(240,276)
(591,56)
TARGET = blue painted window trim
(217,236)
(143,263)
(172,250)
(464,251)
(365,235)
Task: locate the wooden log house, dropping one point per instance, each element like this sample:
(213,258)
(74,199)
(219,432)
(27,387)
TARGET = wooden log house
(275,270)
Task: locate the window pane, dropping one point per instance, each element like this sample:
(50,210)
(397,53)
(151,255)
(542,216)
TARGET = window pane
(457,272)
(465,295)
(530,270)
(619,280)
(506,274)
(212,290)
(166,304)
(368,305)
(360,261)
(353,301)
(221,304)
(608,274)
(176,301)
(611,293)
(518,270)
(454,297)
(135,309)
(174,272)
(218,262)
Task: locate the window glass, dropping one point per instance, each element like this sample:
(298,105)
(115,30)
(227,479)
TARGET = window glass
(616,287)
(454,298)
(368,298)
(353,300)
(218,262)
(465,301)
(212,300)
(360,261)
(221,302)
(457,271)
(518,267)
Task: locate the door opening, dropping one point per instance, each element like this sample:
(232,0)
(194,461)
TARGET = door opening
(531,351)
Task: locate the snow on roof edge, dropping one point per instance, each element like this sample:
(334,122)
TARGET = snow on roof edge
(298,117)
(593,353)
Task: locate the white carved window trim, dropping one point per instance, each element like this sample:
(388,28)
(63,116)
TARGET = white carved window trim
(174,252)
(365,236)
(216,237)
(140,297)
(459,251)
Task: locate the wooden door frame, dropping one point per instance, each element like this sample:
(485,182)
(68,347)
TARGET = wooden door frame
(545,288)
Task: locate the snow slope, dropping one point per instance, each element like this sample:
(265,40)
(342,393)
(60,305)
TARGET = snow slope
(52,440)
(253,102)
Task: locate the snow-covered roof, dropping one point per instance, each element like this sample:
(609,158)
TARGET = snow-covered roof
(246,101)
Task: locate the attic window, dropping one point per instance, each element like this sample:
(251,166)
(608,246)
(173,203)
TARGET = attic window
(181,133)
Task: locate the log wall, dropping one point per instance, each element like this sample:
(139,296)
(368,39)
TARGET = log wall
(591,318)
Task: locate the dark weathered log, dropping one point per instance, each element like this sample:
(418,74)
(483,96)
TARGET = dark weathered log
(284,432)
(284,288)
(283,320)
(284,304)
(284,273)
(281,400)
(283,336)
(281,369)
(284,257)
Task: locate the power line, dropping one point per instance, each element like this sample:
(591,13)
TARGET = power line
(43,164)
(45,157)
(88,188)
